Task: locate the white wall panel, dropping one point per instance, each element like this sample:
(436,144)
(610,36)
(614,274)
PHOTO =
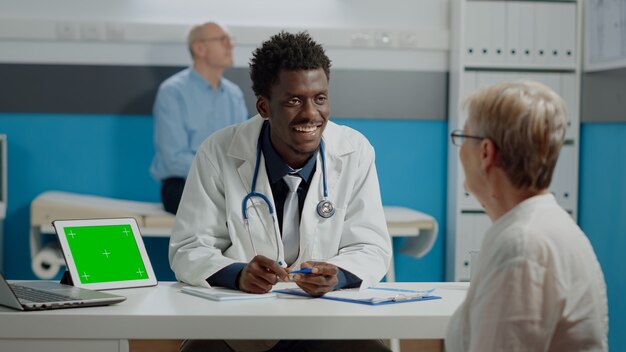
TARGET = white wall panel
(414,34)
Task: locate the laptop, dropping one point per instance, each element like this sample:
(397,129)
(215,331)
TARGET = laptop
(40,295)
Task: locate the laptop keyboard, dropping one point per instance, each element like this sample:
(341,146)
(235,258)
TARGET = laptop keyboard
(35,295)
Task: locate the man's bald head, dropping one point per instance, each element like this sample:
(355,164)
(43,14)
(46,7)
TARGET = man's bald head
(202,32)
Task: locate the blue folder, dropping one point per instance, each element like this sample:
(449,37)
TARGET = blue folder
(373,296)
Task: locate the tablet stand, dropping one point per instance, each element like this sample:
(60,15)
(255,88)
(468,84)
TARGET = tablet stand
(67,279)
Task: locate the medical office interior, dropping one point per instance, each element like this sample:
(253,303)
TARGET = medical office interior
(78,79)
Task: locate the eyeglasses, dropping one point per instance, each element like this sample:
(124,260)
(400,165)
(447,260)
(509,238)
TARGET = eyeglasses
(458,137)
(224,39)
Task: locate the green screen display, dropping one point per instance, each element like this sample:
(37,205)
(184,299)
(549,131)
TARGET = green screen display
(105,253)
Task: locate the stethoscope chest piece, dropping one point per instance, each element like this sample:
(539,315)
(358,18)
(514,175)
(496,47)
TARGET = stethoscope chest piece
(325,208)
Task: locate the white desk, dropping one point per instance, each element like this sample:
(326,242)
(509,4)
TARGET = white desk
(162,312)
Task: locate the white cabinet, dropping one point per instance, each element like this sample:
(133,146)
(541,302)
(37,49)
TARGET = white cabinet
(496,41)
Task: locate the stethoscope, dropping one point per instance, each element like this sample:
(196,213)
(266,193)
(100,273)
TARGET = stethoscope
(325,208)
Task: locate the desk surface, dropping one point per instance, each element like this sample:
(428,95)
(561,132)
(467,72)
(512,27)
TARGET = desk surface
(163,312)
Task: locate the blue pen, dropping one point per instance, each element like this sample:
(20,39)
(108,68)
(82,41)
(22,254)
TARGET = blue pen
(302,271)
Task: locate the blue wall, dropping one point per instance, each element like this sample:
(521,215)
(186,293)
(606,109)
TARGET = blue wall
(109,155)
(602,213)
(93,154)
(411,158)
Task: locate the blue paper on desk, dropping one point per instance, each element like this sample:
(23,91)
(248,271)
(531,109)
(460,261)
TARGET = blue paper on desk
(371,296)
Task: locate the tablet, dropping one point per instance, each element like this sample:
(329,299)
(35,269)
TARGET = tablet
(103,254)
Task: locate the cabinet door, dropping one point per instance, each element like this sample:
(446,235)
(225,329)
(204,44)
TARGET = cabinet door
(565,178)
(569,94)
(469,236)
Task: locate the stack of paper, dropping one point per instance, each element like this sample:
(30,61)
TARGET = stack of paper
(224,294)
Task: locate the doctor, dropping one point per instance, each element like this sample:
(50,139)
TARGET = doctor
(238,177)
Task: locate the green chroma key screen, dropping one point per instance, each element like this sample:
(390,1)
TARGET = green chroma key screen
(105,253)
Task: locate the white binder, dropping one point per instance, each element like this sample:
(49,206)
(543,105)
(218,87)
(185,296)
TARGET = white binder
(553,13)
(513,36)
(526,29)
(544,29)
(498,33)
(484,31)
(473,53)
(567,34)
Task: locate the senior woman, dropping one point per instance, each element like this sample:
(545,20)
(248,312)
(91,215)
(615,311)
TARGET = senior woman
(537,285)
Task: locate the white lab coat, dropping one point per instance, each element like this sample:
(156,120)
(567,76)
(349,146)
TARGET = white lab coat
(209,232)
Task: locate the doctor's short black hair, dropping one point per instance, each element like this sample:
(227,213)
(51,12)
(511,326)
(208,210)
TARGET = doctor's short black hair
(285,51)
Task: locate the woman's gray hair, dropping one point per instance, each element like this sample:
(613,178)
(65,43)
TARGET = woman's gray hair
(526,121)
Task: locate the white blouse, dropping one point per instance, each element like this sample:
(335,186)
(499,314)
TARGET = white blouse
(537,286)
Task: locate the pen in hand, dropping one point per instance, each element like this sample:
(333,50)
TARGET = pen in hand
(302,271)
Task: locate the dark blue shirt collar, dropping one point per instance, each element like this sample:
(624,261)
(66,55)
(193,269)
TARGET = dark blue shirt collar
(276,167)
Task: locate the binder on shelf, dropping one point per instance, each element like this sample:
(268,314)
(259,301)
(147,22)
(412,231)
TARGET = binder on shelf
(484,28)
(498,32)
(567,34)
(372,296)
(543,32)
(513,39)
(527,23)
(472,37)
(552,15)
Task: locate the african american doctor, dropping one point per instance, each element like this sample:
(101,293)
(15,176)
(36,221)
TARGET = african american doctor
(231,227)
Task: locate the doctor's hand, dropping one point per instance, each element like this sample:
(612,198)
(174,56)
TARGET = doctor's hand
(260,275)
(321,280)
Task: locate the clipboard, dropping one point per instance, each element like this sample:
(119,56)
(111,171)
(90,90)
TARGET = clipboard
(373,296)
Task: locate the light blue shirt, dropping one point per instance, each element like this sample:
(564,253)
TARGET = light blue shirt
(187,110)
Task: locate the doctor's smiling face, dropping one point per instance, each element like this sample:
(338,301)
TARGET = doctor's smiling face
(298,111)
(290,74)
